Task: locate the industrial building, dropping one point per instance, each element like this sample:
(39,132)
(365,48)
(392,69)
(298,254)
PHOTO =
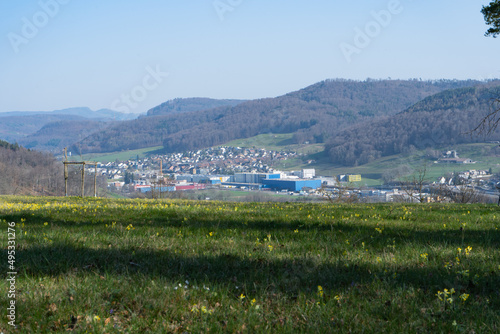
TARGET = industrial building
(254,177)
(163,189)
(295,185)
(349,178)
(305,173)
(258,181)
(207,179)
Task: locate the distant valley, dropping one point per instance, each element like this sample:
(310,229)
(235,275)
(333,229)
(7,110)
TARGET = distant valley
(314,114)
(53,130)
(357,122)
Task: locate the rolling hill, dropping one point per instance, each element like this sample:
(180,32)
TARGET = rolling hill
(314,114)
(179,106)
(443,119)
(26,126)
(55,136)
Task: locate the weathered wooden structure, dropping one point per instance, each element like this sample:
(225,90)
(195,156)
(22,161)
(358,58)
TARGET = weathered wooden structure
(78,163)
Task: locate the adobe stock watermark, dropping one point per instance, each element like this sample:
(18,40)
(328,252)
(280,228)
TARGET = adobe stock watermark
(139,93)
(364,36)
(224,6)
(32,26)
(11,274)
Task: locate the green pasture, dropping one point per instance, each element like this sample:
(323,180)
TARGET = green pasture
(178,266)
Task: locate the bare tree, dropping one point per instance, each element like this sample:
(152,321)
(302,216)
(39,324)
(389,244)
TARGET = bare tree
(490,122)
(491,14)
(413,186)
(341,194)
(465,194)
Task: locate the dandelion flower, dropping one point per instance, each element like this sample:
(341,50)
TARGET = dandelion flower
(320,291)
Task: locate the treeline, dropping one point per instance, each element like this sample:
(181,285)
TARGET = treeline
(314,114)
(26,172)
(441,120)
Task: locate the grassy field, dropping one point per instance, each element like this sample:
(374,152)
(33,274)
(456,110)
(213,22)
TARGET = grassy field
(235,195)
(120,156)
(137,266)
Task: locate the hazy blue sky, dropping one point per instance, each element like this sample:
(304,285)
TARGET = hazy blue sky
(56,54)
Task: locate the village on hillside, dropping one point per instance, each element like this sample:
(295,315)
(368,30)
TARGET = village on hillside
(254,170)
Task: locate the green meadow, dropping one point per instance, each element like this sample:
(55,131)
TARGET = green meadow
(120,156)
(178,266)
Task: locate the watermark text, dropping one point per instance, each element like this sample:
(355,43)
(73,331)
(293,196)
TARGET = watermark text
(222,7)
(139,93)
(11,274)
(32,26)
(363,37)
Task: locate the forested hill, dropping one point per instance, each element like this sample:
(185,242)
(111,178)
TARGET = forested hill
(55,136)
(440,120)
(314,114)
(16,126)
(25,172)
(178,106)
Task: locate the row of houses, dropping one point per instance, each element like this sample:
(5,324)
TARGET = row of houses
(221,160)
(465,177)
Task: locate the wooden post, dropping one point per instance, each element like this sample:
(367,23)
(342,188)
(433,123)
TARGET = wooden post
(95,180)
(161,184)
(65,172)
(83,179)
(498,188)
(66,179)
(83,164)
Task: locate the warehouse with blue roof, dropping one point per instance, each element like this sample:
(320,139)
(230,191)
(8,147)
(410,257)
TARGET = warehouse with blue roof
(295,185)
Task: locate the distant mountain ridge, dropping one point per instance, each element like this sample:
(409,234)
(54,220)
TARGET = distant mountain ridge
(315,114)
(182,105)
(84,112)
(55,136)
(66,126)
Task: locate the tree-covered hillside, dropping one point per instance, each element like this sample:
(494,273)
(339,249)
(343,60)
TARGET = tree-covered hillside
(314,114)
(446,118)
(23,171)
(179,106)
(54,136)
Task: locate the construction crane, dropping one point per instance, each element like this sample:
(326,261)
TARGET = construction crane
(160,180)
(161,166)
